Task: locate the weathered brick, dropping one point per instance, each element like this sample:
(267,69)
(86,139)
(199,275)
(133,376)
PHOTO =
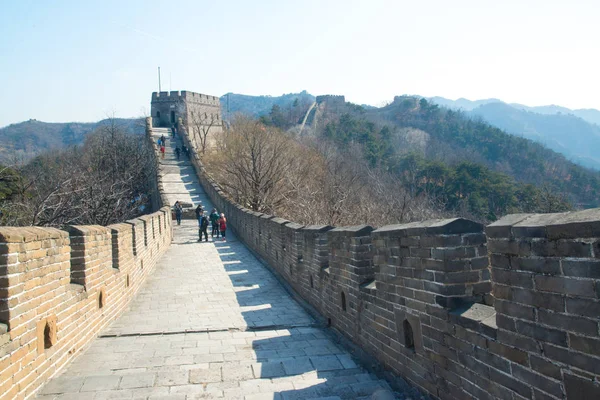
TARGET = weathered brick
(508,352)
(515,310)
(536,380)
(576,359)
(580,388)
(585,307)
(544,367)
(542,265)
(492,360)
(585,344)
(541,333)
(568,322)
(512,278)
(574,287)
(583,269)
(511,383)
(547,301)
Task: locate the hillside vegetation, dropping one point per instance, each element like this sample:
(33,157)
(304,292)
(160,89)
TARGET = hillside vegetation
(454,137)
(23,141)
(106,179)
(408,160)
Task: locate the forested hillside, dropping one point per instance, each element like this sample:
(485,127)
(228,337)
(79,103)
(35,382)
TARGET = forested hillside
(23,141)
(453,137)
(444,160)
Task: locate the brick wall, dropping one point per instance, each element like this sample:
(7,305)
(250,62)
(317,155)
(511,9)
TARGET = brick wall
(59,288)
(511,313)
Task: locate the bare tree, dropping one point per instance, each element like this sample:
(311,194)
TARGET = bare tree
(253,162)
(202,124)
(106,180)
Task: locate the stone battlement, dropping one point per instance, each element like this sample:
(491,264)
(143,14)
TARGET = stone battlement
(462,311)
(185,95)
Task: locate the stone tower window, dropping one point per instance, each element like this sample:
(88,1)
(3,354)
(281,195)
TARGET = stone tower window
(343,301)
(47,336)
(100,300)
(158,114)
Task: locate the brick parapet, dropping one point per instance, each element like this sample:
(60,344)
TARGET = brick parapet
(37,290)
(425,300)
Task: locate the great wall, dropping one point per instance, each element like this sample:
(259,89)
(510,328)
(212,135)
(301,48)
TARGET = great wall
(456,309)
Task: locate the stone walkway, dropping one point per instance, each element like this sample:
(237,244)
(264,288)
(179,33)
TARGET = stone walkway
(212,322)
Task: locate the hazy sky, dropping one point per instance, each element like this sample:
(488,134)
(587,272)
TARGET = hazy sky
(83,60)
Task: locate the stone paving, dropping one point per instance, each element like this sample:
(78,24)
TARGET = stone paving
(212,322)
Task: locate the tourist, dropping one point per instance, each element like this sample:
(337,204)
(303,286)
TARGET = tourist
(203,226)
(222,225)
(162,151)
(163,139)
(199,212)
(178,212)
(214,218)
(177,152)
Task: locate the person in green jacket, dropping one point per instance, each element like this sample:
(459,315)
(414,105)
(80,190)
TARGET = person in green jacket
(214,217)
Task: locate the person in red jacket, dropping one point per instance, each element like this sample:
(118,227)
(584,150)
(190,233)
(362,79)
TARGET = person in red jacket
(222,225)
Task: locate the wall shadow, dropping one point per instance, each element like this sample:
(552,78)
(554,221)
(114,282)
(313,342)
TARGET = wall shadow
(292,351)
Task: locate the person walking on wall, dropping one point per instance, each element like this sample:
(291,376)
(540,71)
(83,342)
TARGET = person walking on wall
(173,129)
(214,217)
(222,225)
(177,152)
(203,226)
(199,212)
(178,212)
(163,139)
(162,151)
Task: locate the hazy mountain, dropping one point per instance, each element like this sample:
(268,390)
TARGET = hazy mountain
(559,128)
(588,114)
(462,103)
(565,133)
(23,141)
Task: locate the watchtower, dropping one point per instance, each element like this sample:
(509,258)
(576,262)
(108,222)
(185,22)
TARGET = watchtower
(168,107)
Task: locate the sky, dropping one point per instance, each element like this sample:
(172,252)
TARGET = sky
(86,60)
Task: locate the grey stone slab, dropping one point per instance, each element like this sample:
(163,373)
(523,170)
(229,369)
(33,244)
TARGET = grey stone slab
(205,375)
(297,366)
(103,382)
(139,380)
(268,370)
(63,384)
(326,363)
(172,377)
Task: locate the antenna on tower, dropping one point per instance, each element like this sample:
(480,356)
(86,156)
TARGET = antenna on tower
(159,80)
